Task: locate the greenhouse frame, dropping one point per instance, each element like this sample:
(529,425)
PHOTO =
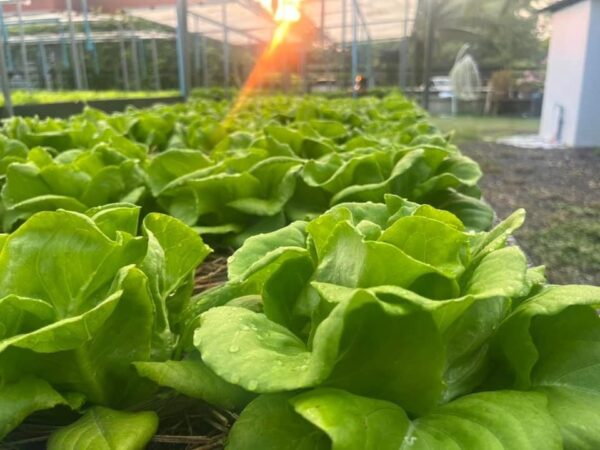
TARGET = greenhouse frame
(335,26)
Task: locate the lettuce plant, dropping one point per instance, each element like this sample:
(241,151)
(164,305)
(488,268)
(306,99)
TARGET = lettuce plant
(33,132)
(82,296)
(75,180)
(382,326)
(240,192)
(439,176)
(251,183)
(11,151)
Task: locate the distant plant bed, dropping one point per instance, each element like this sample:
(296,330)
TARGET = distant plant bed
(33,97)
(485,128)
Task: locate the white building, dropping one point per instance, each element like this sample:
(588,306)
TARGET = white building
(571,111)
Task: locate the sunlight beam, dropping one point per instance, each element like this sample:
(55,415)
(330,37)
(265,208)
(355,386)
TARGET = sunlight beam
(285,13)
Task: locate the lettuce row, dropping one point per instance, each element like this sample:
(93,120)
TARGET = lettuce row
(83,296)
(390,326)
(75,180)
(278,161)
(252,183)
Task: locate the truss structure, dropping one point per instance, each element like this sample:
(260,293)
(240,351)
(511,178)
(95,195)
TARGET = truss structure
(333,24)
(246,22)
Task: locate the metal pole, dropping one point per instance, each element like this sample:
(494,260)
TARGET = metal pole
(124,68)
(204,62)
(44,65)
(90,46)
(329,55)
(323,23)
(134,60)
(182,53)
(154,52)
(403,53)
(58,66)
(4,29)
(226,59)
(370,79)
(354,47)
(428,52)
(23,46)
(286,73)
(8,107)
(141,50)
(136,65)
(343,52)
(303,70)
(83,66)
(63,49)
(76,68)
(197,53)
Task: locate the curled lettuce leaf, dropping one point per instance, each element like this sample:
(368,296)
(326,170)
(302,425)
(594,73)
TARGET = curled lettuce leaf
(394,317)
(82,298)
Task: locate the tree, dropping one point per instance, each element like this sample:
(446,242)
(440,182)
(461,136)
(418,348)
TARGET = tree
(503,34)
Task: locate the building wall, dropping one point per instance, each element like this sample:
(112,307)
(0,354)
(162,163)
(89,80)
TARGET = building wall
(564,79)
(588,129)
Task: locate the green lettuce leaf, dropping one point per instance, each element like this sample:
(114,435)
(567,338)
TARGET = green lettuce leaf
(106,429)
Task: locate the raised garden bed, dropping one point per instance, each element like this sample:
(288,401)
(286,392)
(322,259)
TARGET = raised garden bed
(67,109)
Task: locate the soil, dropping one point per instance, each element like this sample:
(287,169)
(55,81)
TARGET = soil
(560,189)
(212,272)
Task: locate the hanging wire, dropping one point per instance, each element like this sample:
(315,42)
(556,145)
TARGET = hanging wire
(9,59)
(90,45)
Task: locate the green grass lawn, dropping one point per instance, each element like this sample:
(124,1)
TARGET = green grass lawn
(556,187)
(471,128)
(570,245)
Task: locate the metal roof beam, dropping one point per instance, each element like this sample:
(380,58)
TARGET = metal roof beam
(222,25)
(255,8)
(14,21)
(327,37)
(60,19)
(100,36)
(372,24)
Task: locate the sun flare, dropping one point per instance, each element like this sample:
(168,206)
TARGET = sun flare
(285,13)
(283,10)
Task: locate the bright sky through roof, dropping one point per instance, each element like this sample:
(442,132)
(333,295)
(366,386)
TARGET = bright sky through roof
(283,10)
